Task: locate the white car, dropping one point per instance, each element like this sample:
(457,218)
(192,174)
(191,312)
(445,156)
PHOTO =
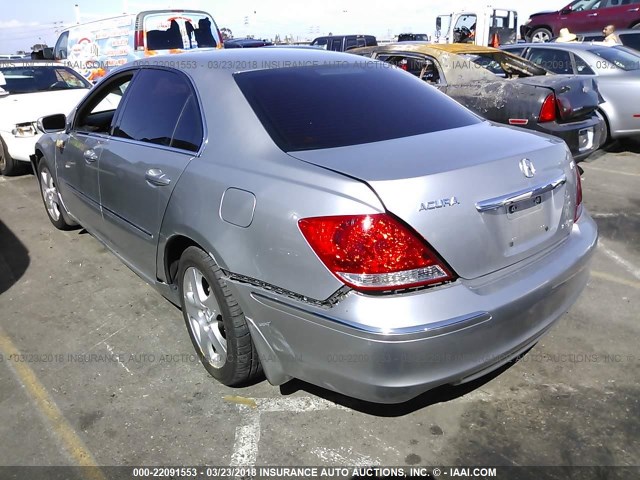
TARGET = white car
(30,90)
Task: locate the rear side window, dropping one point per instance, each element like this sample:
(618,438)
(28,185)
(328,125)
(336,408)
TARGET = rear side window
(556,61)
(581,66)
(326,106)
(161,109)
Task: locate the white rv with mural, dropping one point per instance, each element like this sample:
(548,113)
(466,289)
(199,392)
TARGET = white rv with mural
(96,47)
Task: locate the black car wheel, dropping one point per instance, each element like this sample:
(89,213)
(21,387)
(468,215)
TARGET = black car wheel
(216,324)
(541,35)
(51,199)
(8,166)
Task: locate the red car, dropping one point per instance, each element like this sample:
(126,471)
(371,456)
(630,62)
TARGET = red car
(582,16)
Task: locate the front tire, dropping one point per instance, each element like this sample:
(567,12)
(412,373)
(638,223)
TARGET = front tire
(51,199)
(8,166)
(540,35)
(216,325)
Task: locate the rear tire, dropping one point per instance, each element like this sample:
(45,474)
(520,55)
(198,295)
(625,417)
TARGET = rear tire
(51,199)
(540,35)
(215,322)
(8,166)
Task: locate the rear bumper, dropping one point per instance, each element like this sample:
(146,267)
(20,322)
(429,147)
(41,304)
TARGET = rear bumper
(389,349)
(573,132)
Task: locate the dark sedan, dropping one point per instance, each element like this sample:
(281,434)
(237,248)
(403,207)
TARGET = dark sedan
(506,89)
(615,68)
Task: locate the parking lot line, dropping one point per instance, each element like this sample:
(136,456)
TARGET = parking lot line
(614,279)
(606,170)
(628,266)
(49,410)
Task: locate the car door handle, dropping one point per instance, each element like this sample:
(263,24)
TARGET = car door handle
(592,15)
(90,155)
(155,176)
(506,200)
(633,9)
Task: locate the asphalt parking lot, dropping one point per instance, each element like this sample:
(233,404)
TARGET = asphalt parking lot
(97,368)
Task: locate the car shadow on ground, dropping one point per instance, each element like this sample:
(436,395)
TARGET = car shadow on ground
(441,394)
(14,258)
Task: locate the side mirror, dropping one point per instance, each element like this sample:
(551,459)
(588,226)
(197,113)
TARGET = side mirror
(566,10)
(52,123)
(438,24)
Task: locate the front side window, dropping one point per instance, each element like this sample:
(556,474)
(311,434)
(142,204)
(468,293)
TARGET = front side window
(60,51)
(582,5)
(96,114)
(161,109)
(556,61)
(464,30)
(320,42)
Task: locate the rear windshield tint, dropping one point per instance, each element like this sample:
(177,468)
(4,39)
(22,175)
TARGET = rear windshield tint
(326,106)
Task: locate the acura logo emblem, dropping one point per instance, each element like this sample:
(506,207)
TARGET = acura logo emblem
(527,168)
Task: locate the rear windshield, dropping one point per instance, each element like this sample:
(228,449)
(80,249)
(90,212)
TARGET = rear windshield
(631,40)
(180,30)
(618,56)
(30,79)
(326,106)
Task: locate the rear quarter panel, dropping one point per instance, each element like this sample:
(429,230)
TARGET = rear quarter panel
(622,96)
(271,249)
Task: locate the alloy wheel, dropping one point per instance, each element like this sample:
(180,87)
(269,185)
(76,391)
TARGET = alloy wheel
(205,317)
(50,194)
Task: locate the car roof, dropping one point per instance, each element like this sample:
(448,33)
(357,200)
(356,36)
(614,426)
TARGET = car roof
(434,49)
(561,45)
(236,60)
(618,31)
(347,35)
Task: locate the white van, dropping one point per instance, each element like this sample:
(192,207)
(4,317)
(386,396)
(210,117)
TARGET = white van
(96,47)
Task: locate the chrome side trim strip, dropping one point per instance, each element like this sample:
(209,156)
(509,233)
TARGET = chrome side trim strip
(506,200)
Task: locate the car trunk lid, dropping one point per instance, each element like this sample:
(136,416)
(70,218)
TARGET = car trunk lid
(576,97)
(484,196)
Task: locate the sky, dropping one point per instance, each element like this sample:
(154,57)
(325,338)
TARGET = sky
(23,24)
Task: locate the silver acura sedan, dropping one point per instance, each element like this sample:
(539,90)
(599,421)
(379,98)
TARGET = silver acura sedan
(323,216)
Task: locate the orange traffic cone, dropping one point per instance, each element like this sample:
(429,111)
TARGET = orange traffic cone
(495,41)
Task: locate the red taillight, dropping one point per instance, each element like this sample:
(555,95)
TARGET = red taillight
(548,110)
(373,252)
(404,64)
(578,211)
(139,40)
